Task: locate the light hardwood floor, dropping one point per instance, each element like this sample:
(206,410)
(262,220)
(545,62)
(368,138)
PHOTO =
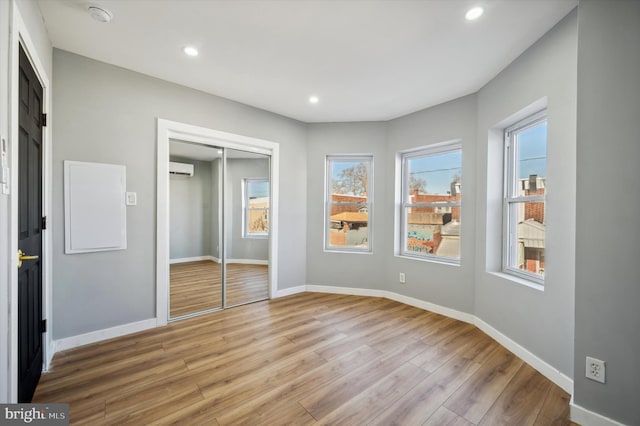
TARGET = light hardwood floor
(196,286)
(310,358)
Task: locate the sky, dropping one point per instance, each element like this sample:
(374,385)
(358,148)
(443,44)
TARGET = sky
(532,152)
(437,170)
(338,166)
(258,189)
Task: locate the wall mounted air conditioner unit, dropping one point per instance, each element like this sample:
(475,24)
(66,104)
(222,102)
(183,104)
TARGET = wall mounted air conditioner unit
(182,169)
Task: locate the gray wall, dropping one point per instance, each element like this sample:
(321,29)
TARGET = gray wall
(607,291)
(344,269)
(108,114)
(443,284)
(237,246)
(541,321)
(191,206)
(447,285)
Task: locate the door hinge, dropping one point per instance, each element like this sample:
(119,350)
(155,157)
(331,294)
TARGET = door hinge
(44,223)
(44,120)
(43,326)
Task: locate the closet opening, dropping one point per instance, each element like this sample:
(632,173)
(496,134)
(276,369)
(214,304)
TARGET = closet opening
(217,226)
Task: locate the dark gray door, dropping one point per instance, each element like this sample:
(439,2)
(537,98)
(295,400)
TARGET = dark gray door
(30,324)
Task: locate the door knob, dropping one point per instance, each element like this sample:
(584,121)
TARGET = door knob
(22,256)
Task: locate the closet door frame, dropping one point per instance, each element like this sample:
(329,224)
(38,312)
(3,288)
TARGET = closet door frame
(166,130)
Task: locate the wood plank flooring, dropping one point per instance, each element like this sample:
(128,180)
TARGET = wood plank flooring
(197,286)
(310,358)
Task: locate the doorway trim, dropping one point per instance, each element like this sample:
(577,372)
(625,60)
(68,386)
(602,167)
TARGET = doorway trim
(20,36)
(168,130)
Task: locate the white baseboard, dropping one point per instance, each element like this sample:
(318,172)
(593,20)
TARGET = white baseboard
(248,261)
(193,259)
(586,417)
(428,306)
(540,365)
(544,368)
(289,291)
(51,351)
(99,335)
(352,291)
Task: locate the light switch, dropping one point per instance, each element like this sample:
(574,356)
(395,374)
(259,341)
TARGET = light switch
(132,198)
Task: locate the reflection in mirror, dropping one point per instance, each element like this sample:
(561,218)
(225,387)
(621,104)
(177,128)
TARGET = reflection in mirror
(247,227)
(195,210)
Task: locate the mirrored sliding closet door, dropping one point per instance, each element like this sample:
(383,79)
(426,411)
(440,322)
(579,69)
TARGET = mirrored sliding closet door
(219,210)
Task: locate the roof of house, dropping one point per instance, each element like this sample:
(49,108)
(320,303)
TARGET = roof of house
(531,232)
(451,229)
(449,247)
(351,217)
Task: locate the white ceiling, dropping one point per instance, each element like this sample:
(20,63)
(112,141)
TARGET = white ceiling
(366,60)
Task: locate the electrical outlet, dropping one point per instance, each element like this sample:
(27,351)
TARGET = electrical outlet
(595,369)
(402,278)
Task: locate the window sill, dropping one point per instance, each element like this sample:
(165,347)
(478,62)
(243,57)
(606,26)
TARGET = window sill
(438,260)
(255,237)
(518,280)
(347,251)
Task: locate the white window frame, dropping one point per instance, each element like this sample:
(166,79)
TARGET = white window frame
(245,208)
(511,198)
(403,158)
(329,160)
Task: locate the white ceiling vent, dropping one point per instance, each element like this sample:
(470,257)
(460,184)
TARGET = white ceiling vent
(100,14)
(181,169)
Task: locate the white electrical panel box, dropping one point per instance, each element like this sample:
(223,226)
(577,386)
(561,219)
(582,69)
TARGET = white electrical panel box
(95,214)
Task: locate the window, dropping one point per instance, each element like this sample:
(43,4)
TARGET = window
(430,202)
(348,203)
(255,208)
(524,199)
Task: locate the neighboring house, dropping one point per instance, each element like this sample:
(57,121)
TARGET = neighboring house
(348,222)
(426,224)
(531,236)
(418,198)
(450,240)
(531,227)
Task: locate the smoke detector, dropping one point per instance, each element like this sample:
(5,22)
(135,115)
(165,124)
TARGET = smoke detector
(100,14)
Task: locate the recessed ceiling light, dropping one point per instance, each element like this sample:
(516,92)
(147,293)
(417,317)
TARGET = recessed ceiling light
(314,99)
(474,13)
(190,51)
(100,14)
(219,151)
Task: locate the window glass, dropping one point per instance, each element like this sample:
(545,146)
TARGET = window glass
(348,203)
(431,203)
(256,207)
(526,175)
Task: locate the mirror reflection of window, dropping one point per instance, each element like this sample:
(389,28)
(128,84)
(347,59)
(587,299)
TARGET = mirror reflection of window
(256,208)
(219,217)
(246,222)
